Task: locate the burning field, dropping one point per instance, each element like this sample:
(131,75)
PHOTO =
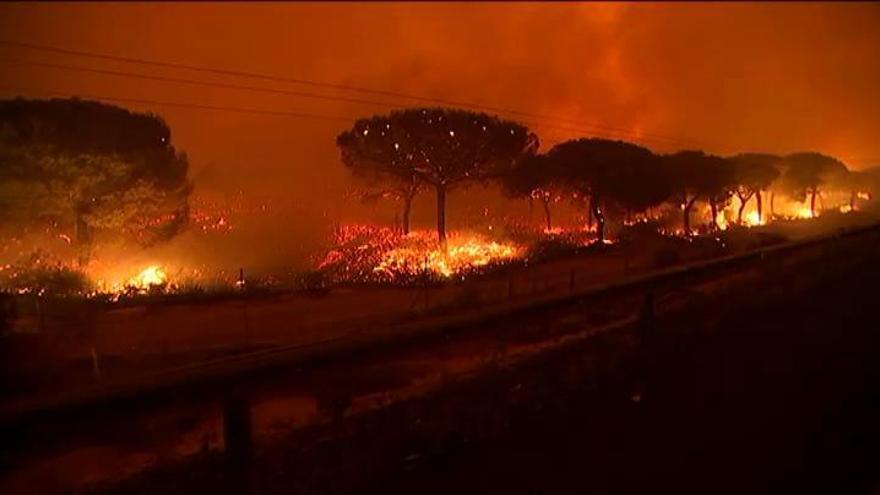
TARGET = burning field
(364,254)
(384,255)
(130,226)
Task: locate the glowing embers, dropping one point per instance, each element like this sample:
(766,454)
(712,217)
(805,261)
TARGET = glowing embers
(377,254)
(463,254)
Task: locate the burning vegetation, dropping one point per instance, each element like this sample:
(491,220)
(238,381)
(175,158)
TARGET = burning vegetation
(71,189)
(384,255)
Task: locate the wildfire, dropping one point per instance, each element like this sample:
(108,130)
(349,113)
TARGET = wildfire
(721,220)
(377,254)
(753,218)
(151,276)
(462,254)
(805,212)
(148,279)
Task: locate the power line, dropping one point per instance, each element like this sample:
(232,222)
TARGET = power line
(198,106)
(194,82)
(570,130)
(277,113)
(314,83)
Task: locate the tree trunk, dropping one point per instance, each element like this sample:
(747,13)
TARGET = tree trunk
(687,215)
(547,214)
(714,208)
(600,220)
(407,208)
(441,215)
(852,200)
(760,206)
(772,197)
(813,203)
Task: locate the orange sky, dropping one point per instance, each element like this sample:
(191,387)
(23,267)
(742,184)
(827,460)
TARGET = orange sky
(724,77)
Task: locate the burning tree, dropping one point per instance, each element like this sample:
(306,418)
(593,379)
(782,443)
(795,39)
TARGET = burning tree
(609,173)
(534,179)
(695,175)
(440,147)
(97,169)
(806,172)
(754,172)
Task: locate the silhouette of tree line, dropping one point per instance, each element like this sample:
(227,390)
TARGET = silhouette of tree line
(413,150)
(106,171)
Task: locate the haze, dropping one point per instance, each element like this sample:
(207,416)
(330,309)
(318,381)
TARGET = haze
(719,77)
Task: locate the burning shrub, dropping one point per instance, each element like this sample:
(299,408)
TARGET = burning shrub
(365,254)
(48,280)
(357,250)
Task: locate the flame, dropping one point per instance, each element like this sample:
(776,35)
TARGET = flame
(752,219)
(151,276)
(462,254)
(721,220)
(377,254)
(805,212)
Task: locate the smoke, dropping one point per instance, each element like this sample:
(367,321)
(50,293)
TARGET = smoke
(721,77)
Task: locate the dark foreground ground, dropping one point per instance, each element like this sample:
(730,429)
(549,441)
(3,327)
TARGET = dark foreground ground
(780,398)
(771,387)
(783,400)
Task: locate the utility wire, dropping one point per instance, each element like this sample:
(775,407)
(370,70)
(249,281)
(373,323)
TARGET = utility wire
(278,113)
(194,82)
(314,83)
(198,106)
(571,130)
